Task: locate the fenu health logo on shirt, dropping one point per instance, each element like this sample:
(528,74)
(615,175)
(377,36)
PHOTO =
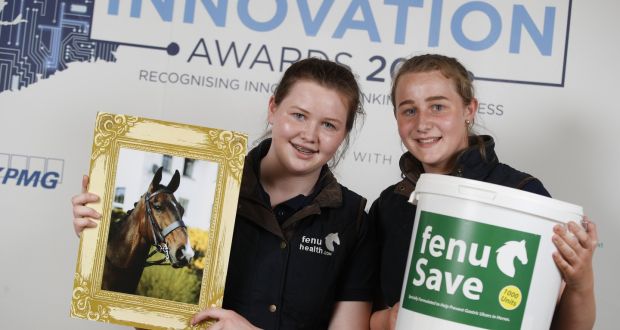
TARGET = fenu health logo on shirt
(315,245)
(470,272)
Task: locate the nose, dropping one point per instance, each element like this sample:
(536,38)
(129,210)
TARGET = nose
(181,258)
(185,253)
(423,122)
(309,132)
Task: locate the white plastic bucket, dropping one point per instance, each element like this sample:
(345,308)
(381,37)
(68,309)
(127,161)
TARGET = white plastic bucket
(480,256)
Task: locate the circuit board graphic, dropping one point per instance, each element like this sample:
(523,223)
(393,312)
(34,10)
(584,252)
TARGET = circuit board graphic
(40,37)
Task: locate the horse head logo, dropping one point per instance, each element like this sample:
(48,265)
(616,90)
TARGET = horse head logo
(506,255)
(330,239)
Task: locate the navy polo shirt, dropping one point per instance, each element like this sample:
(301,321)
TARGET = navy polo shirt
(290,264)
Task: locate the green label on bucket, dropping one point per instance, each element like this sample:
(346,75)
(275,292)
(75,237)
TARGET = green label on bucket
(470,272)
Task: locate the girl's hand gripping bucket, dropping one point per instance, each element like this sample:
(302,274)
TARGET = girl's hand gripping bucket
(480,257)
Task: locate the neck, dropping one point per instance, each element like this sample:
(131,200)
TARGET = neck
(438,169)
(282,185)
(445,168)
(127,245)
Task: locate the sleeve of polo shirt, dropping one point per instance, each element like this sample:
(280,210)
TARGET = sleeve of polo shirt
(357,282)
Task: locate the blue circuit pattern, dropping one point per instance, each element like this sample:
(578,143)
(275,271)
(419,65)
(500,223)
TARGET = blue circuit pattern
(40,37)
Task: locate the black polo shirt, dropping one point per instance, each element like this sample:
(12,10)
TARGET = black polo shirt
(288,274)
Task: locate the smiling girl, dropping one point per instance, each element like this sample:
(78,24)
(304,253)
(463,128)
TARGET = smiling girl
(435,109)
(303,250)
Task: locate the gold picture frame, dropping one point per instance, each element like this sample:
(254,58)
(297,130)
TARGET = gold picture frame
(217,155)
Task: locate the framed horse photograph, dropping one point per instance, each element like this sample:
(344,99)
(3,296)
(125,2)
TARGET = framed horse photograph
(168,199)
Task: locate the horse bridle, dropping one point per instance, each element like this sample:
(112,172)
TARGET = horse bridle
(159,235)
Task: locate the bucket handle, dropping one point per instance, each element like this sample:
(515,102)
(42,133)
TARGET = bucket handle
(475,193)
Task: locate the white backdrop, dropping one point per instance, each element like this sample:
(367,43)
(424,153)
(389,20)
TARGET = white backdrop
(546,96)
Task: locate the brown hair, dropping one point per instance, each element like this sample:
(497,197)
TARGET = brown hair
(449,67)
(330,75)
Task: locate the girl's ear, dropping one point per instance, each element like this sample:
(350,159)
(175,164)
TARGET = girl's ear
(471,109)
(272,109)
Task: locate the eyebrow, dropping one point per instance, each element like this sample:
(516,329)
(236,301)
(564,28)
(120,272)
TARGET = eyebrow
(428,99)
(435,98)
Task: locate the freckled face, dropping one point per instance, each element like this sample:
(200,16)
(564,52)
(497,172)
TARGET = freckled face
(431,119)
(308,126)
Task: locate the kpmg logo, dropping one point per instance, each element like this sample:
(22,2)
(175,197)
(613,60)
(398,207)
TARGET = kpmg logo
(30,171)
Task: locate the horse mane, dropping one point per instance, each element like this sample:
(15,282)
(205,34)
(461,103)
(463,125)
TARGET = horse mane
(119,220)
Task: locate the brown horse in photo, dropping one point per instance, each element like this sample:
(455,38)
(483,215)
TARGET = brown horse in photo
(156,221)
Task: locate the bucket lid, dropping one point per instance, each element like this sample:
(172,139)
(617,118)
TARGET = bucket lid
(498,195)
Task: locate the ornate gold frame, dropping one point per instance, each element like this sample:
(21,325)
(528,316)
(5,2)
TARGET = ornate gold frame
(112,132)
